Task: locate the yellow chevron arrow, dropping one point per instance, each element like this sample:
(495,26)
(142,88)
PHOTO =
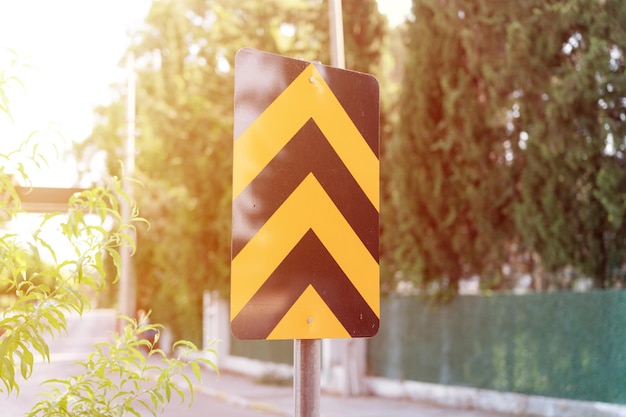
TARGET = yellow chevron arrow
(308,207)
(308,96)
(309,318)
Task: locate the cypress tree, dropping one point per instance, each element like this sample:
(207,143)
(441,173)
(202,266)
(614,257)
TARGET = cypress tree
(450,185)
(571,99)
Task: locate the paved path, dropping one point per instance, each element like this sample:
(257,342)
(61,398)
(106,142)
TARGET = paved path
(243,391)
(227,394)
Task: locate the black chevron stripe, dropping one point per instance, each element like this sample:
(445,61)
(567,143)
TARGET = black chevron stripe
(308,151)
(363,110)
(309,263)
(256,100)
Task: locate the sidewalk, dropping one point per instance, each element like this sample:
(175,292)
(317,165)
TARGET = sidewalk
(278,400)
(394,399)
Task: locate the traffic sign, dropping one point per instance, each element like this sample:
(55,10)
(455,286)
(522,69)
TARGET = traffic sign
(305,229)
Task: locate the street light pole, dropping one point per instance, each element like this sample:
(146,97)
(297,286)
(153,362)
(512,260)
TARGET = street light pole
(127,294)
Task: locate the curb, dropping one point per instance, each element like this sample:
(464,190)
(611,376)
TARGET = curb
(491,401)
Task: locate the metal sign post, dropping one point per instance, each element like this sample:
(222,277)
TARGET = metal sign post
(307,353)
(305,230)
(306,381)
(337,54)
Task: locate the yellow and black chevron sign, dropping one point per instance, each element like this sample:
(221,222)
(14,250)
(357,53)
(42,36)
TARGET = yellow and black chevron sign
(305,200)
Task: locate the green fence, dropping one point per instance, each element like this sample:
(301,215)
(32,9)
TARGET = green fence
(566,345)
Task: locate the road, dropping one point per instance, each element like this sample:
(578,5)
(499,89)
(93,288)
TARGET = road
(94,327)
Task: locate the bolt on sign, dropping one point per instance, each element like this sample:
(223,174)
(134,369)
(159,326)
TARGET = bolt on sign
(305,225)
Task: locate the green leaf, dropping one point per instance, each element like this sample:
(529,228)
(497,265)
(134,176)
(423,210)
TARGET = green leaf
(168,392)
(196,370)
(26,365)
(189,385)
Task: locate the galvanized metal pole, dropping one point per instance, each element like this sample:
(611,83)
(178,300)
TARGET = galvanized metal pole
(337,53)
(307,353)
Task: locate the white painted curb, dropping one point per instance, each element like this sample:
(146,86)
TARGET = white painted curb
(488,400)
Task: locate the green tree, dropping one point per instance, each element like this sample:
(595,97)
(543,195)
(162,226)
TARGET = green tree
(44,295)
(511,135)
(450,184)
(569,84)
(365,35)
(185,56)
(185,60)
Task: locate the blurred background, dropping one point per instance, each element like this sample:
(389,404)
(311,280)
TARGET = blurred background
(502,152)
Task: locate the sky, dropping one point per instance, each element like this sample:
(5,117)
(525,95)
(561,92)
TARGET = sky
(73,48)
(396,10)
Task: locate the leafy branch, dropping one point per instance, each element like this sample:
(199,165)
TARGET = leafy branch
(45,294)
(120,379)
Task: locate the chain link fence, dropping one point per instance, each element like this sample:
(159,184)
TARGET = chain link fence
(565,344)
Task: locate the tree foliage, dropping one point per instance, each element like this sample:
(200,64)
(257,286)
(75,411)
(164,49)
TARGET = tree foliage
(365,36)
(117,380)
(571,109)
(40,309)
(185,56)
(450,186)
(510,139)
(506,146)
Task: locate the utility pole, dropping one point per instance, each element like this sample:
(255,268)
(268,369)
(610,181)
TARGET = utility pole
(127,294)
